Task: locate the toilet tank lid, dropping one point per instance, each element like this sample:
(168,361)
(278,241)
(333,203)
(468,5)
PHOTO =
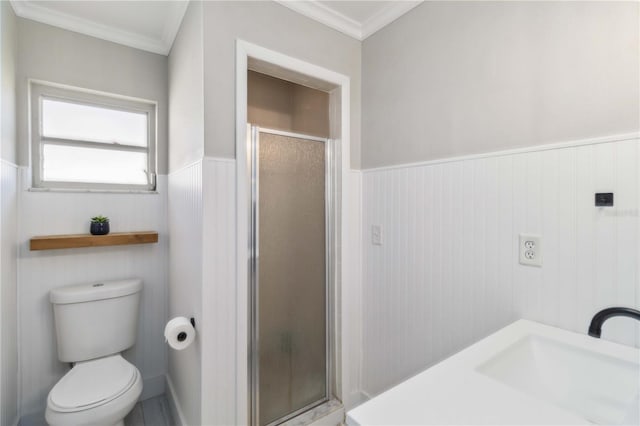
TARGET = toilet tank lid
(94,291)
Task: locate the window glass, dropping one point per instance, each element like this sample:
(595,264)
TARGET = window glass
(67,120)
(63,163)
(82,139)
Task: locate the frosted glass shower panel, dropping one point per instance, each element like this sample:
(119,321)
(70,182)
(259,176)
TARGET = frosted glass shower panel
(291,275)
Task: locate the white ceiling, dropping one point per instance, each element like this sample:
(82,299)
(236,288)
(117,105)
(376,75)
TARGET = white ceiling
(152,25)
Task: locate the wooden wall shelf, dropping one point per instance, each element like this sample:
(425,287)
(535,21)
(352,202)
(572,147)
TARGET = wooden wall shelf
(53,242)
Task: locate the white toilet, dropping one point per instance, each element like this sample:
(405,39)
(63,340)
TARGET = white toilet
(94,323)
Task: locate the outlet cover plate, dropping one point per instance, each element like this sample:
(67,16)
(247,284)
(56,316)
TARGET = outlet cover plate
(530,250)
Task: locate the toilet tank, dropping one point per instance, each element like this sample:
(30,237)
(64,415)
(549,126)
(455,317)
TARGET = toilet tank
(95,320)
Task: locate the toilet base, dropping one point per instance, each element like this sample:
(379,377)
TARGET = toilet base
(104,415)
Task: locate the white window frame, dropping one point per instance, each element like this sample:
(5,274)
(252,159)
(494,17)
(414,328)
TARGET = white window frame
(39,90)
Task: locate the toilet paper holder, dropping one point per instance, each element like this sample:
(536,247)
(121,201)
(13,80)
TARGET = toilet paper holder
(182,336)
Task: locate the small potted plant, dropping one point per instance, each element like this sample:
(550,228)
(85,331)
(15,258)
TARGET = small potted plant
(99,225)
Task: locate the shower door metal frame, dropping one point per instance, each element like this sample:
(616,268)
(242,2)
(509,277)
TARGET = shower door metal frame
(254,265)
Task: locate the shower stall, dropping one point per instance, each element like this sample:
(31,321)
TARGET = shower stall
(290,274)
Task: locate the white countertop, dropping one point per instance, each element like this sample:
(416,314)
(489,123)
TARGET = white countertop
(453,392)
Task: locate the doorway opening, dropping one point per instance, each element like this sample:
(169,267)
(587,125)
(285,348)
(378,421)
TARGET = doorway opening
(308,156)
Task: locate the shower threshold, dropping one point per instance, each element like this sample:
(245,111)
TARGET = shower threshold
(325,412)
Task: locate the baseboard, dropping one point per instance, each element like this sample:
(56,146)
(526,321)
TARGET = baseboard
(33,419)
(152,387)
(174,405)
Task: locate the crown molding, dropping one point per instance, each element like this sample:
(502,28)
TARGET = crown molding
(325,15)
(387,15)
(36,12)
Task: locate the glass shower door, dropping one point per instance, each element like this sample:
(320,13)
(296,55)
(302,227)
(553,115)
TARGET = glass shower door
(289,275)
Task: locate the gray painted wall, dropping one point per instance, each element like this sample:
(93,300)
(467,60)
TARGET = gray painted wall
(457,78)
(276,27)
(186,91)
(9,59)
(60,56)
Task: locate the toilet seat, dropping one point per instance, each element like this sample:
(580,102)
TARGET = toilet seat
(92,383)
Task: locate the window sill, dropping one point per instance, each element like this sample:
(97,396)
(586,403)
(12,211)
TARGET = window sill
(93,191)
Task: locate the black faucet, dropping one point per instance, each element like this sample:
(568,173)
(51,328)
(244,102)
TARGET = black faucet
(595,328)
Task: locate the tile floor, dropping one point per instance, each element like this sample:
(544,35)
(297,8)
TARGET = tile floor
(150,412)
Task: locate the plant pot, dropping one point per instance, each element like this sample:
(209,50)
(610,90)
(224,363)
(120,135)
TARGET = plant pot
(99,228)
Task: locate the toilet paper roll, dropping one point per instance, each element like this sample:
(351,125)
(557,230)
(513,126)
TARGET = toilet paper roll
(179,333)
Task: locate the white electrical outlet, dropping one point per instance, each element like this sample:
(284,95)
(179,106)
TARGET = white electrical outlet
(530,250)
(376,235)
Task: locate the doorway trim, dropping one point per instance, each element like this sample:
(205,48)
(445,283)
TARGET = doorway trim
(347,265)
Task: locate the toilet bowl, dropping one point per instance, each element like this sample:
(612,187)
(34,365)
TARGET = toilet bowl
(97,392)
(94,323)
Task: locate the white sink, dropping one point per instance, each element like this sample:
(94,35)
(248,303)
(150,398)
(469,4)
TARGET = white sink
(524,374)
(600,388)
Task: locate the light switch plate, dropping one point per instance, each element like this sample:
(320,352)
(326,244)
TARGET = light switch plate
(530,250)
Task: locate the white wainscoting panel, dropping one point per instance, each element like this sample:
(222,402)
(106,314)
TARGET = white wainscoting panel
(218,330)
(348,309)
(8,295)
(185,285)
(590,254)
(447,272)
(43,213)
